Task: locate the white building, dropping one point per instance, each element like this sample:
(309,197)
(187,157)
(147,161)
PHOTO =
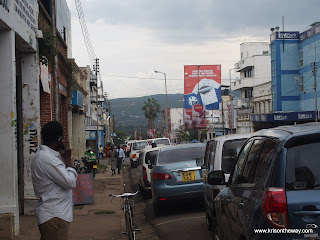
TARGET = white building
(176,120)
(20,108)
(255,76)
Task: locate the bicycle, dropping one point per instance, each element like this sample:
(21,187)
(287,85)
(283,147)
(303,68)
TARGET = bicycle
(128,210)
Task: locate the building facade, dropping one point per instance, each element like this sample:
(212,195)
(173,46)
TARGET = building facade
(255,74)
(19,111)
(294,73)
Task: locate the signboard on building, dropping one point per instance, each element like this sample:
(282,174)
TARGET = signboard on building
(202,86)
(83,192)
(91,135)
(45,78)
(284,35)
(280,117)
(22,16)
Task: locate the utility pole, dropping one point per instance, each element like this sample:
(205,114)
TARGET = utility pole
(314,72)
(55,67)
(96,69)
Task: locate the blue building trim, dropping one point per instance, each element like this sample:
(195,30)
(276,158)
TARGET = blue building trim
(284,117)
(290,98)
(278,76)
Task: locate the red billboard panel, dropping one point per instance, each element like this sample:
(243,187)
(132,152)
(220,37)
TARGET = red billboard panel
(202,86)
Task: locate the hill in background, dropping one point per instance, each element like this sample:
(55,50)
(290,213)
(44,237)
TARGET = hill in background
(129,115)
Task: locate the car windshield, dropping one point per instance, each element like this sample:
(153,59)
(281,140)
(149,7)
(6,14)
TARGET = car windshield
(303,168)
(139,145)
(162,141)
(181,154)
(230,151)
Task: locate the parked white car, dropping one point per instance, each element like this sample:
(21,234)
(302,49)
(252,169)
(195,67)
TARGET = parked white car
(159,141)
(136,148)
(145,161)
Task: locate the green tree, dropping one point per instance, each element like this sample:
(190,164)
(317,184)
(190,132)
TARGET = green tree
(151,108)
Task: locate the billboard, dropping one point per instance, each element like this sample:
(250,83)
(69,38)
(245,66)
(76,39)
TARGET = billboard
(195,117)
(202,86)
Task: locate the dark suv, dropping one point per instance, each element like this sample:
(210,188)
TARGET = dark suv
(274,186)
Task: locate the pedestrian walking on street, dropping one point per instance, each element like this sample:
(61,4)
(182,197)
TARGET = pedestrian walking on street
(113,159)
(53,178)
(120,158)
(100,152)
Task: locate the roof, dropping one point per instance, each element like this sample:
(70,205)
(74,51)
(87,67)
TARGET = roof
(181,146)
(288,131)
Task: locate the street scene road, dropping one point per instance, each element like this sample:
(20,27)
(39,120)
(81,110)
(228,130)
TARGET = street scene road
(179,220)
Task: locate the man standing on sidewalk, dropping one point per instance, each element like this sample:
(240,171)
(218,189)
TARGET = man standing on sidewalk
(120,158)
(53,179)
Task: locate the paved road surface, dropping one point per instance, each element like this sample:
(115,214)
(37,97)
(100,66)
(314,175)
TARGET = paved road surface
(182,220)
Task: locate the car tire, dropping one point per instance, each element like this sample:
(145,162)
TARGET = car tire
(215,230)
(209,221)
(156,209)
(142,191)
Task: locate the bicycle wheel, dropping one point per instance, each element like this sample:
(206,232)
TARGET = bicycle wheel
(130,231)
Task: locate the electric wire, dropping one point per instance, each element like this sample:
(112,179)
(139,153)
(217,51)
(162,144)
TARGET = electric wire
(85,32)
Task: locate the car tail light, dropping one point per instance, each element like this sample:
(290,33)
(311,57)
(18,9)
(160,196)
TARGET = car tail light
(144,171)
(161,176)
(274,206)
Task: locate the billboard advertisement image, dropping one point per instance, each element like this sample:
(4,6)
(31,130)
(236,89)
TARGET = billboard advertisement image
(202,86)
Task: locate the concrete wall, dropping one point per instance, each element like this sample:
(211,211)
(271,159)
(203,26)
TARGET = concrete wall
(253,48)
(31,121)
(8,130)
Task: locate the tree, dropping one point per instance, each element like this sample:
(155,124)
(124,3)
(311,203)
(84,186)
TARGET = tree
(151,108)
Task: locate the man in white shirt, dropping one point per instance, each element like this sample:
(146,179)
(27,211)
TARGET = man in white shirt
(120,158)
(53,179)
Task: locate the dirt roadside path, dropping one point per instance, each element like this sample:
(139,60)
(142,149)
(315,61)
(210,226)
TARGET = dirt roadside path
(102,220)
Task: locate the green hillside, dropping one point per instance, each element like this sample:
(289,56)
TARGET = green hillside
(128,111)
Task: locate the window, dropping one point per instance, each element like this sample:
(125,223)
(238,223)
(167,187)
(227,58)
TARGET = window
(264,163)
(181,154)
(240,163)
(151,157)
(251,163)
(303,168)
(230,152)
(301,58)
(210,153)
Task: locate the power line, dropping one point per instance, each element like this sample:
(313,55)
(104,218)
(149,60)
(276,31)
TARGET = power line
(297,87)
(85,32)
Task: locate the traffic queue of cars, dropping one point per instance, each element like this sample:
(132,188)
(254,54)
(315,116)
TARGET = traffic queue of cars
(273,188)
(254,185)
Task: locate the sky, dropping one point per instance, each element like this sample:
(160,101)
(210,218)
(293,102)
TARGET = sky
(133,38)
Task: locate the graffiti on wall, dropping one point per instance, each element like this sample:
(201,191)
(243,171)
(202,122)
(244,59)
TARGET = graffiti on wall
(32,138)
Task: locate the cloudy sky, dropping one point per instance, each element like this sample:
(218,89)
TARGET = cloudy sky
(132,38)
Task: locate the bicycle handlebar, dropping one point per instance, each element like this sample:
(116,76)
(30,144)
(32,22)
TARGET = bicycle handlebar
(125,195)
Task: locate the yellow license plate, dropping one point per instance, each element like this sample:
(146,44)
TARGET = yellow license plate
(189,176)
(95,166)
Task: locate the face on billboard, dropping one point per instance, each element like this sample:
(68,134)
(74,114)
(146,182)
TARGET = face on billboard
(202,86)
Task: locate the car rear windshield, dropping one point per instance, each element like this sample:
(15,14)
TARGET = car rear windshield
(303,168)
(230,151)
(181,154)
(139,145)
(162,141)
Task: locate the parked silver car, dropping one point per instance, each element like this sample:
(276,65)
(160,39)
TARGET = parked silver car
(175,174)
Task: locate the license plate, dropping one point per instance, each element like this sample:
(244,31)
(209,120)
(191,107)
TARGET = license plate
(189,176)
(95,166)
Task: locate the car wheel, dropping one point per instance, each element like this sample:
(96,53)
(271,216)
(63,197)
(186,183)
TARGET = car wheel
(142,191)
(156,209)
(215,230)
(209,221)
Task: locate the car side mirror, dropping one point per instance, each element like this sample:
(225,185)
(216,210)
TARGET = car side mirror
(199,161)
(216,178)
